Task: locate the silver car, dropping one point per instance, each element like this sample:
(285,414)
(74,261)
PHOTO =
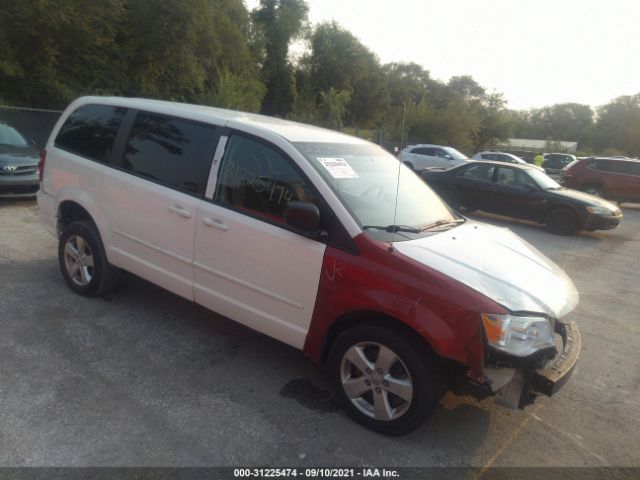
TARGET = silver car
(18,164)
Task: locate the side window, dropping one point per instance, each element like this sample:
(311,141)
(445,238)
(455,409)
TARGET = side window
(258,180)
(510,177)
(622,167)
(487,156)
(90,131)
(482,173)
(176,153)
(422,151)
(437,152)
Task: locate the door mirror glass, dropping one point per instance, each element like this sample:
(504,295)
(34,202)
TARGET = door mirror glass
(304,216)
(448,157)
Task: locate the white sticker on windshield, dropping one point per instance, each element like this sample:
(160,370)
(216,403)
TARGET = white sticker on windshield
(338,167)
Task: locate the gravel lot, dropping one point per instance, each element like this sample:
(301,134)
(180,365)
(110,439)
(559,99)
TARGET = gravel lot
(145,378)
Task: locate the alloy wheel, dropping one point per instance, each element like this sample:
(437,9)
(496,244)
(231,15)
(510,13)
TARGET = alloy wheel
(376,381)
(78,260)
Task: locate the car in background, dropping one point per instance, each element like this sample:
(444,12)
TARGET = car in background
(612,178)
(521,191)
(423,156)
(18,164)
(554,162)
(502,157)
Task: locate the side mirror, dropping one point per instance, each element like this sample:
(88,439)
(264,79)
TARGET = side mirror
(303,216)
(32,142)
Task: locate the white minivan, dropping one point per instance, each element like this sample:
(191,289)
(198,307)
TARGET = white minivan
(318,239)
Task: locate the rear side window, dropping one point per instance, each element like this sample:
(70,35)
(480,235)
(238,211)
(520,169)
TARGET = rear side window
(176,153)
(623,167)
(423,151)
(258,180)
(90,131)
(482,173)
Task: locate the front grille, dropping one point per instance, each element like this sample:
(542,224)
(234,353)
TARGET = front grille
(20,170)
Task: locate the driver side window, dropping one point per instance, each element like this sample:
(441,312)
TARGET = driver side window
(258,180)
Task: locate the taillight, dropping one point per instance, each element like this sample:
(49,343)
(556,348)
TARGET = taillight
(43,158)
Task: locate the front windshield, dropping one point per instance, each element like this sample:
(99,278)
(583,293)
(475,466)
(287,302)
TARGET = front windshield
(365,179)
(543,180)
(457,155)
(10,136)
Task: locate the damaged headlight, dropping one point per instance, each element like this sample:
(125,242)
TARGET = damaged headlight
(519,336)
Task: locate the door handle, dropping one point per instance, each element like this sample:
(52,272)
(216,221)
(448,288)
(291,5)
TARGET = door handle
(180,210)
(215,223)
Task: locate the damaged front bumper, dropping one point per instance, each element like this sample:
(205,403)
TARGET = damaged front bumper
(518,387)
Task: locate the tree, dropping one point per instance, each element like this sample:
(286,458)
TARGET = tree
(277,23)
(332,108)
(493,122)
(237,92)
(166,49)
(339,60)
(50,55)
(618,125)
(407,83)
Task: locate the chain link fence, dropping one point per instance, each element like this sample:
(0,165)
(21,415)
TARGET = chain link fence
(33,123)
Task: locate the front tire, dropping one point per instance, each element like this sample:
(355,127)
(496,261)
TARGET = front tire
(385,380)
(410,165)
(83,261)
(562,221)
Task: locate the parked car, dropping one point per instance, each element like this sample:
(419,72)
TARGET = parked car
(522,191)
(315,238)
(423,156)
(502,157)
(554,162)
(18,164)
(613,178)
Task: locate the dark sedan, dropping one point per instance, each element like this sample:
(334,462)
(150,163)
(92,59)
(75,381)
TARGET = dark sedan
(18,164)
(521,191)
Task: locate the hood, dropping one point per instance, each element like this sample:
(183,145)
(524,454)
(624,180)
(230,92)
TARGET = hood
(582,197)
(18,155)
(499,264)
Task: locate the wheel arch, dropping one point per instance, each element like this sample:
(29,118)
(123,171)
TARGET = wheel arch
(361,317)
(73,205)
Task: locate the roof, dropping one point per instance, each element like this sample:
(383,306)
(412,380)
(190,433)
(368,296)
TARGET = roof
(291,131)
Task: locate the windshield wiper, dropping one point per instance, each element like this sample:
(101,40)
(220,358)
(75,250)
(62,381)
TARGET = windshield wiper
(442,223)
(393,228)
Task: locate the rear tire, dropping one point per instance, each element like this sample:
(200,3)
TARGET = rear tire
(83,261)
(392,386)
(562,221)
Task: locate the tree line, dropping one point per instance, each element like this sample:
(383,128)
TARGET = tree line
(217,52)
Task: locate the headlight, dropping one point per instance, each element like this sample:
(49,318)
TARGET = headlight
(600,210)
(519,336)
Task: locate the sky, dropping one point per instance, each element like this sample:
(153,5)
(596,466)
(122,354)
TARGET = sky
(535,52)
